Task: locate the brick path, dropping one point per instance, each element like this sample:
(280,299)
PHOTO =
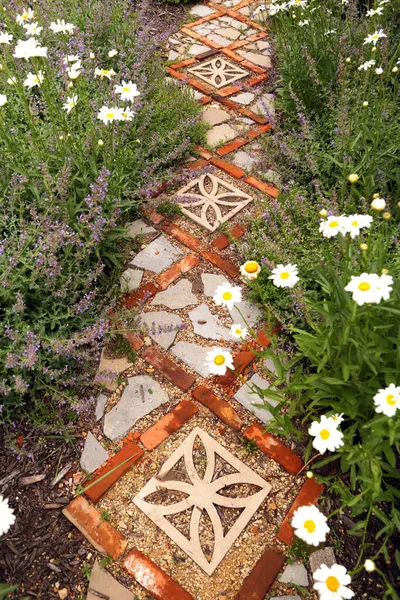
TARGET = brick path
(222,75)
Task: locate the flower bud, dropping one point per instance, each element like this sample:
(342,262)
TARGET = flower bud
(363,246)
(100,143)
(369,565)
(395,69)
(61,137)
(378,204)
(92,56)
(70,85)
(353,178)
(365,104)
(348,60)
(373,49)
(386,216)
(323,212)
(384,271)
(309,474)
(398,204)
(375,196)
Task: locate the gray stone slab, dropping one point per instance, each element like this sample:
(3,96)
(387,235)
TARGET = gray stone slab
(215,115)
(261,60)
(163,327)
(157,256)
(131,279)
(219,39)
(100,406)
(142,395)
(220,134)
(296,574)
(193,355)
(245,396)
(228,32)
(208,325)
(211,282)
(176,296)
(103,585)
(265,105)
(251,314)
(325,556)
(93,455)
(244,160)
(244,98)
(197,49)
(139,227)
(199,10)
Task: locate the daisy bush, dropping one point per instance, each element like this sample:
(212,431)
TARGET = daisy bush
(88,127)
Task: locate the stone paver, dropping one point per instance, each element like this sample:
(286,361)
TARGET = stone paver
(142,395)
(215,115)
(296,574)
(162,326)
(249,314)
(131,280)
(176,296)
(208,325)
(220,134)
(258,59)
(325,556)
(193,355)
(100,406)
(211,282)
(229,33)
(245,396)
(157,256)
(199,10)
(197,49)
(265,104)
(244,160)
(244,98)
(109,371)
(93,455)
(139,227)
(101,582)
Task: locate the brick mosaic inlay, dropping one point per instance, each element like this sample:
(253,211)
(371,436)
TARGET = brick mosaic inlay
(218,72)
(209,476)
(210,201)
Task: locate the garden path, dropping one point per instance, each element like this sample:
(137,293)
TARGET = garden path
(166,429)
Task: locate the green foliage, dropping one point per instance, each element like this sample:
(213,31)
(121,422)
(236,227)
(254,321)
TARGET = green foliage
(169,209)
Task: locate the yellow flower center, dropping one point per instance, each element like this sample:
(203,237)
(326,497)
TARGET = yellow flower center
(251,267)
(355,223)
(219,359)
(333,224)
(284,275)
(124,114)
(390,399)
(364,286)
(110,115)
(227,295)
(375,36)
(310,526)
(125,89)
(332,583)
(238,331)
(25,16)
(324,433)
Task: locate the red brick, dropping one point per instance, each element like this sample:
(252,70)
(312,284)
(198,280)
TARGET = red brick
(125,458)
(228,167)
(226,101)
(210,43)
(235,15)
(240,361)
(187,239)
(254,116)
(202,87)
(255,68)
(203,152)
(154,216)
(139,296)
(268,188)
(220,262)
(228,91)
(193,34)
(153,579)
(203,20)
(169,423)
(262,339)
(252,134)
(204,100)
(256,36)
(221,242)
(239,44)
(207,54)
(198,164)
(309,494)
(168,368)
(101,534)
(177,74)
(219,407)
(184,265)
(135,342)
(255,25)
(237,143)
(183,63)
(232,55)
(262,576)
(238,231)
(274,448)
(256,79)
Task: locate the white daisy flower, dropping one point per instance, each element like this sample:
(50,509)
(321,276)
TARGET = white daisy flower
(60,26)
(238,332)
(337,418)
(127,90)
(304,23)
(125,114)
(12,81)
(365,288)
(387,400)
(33,79)
(7,517)
(354,223)
(310,525)
(33,28)
(218,360)
(298,3)
(72,58)
(326,435)
(367,65)
(108,114)
(3,99)
(284,276)
(70,103)
(385,285)
(29,48)
(332,226)
(331,582)
(74,71)
(104,73)
(227,294)
(376,11)
(379,71)
(373,38)
(26,15)
(112,53)
(276,8)
(250,269)
(5,38)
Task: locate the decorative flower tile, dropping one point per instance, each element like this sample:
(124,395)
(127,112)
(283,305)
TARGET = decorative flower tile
(204,498)
(210,201)
(218,72)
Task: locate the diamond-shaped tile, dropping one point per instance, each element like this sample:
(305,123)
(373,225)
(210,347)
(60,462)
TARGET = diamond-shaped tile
(218,72)
(210,201)
(203,497)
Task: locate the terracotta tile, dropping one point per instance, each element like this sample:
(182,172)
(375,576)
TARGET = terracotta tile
(210,43)
(254,116)
(135,342)
(154,216)
(241,360)
(101,534)
(207,54)
(202,20)
(256,79)
(198,164)
(129,451)
(175,271)
(192,34)
(202,87)
(183,63)
(237,143)
(262,339)
(153,579)
(176,74)
(169,423)
(274,448)
(219,407)
(139,296)
(220,262)
(309,494)
(168,368)
(238,231)
(187,239)
(228,91)
(205,100)
(262,576)
(257,36)
(228,167)
(255,25)
(239,44)
(268,188)
(225,101)
(221,242)
(233,55)
(253,133)
(203,152)
(235,15)
(252,67)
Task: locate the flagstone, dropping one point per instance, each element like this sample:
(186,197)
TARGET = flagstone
(103,585)
(220,134)
(296,574)
(100,406)
(163,327)
(208,325)
(219,39)
(211,282)
(229,32)
(266,103)
(199,10)
(215,116)
(244,160)
(251,314)
(176,296)
(131,280)
(157,256)
(193,355)
(261,60)
(139,227)
(93,455)
(109,371)
(247,398)
(197,49)
(244,98)
(261,45)
(142,395)
(325,556)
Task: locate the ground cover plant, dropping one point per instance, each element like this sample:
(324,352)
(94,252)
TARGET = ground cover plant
(88,126)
